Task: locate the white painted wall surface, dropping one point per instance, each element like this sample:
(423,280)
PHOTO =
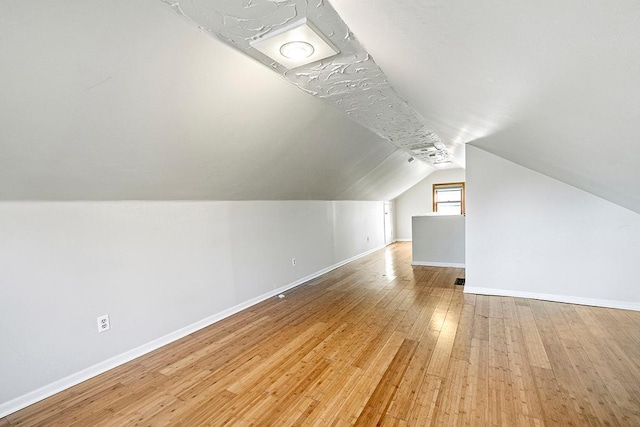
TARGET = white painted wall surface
(533,236)
(438,240)
(154,267)
(418,200)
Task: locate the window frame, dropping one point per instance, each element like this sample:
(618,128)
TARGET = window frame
(445,185)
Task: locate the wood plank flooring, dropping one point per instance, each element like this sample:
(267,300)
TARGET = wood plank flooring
(376,342)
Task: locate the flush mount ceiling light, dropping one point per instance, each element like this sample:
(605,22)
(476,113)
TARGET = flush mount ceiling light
(295,45)
(296,50)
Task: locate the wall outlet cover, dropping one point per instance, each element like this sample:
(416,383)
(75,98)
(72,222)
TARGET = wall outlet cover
(103,323)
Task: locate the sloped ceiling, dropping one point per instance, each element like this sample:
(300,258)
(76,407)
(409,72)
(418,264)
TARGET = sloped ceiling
(120,99)
(551,85)
(348,79)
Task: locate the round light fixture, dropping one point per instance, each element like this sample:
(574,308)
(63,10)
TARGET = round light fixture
(296,50)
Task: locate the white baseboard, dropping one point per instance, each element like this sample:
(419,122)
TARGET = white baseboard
(102,367)
(404,240)
(556,298)
(438,264)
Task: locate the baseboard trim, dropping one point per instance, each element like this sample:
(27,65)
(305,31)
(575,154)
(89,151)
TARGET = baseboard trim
(404,240)
(595,302)
(74,379)
(438,264)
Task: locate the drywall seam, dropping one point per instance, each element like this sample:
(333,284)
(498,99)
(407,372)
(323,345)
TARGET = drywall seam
(595,302)
(74,379)
(438,264)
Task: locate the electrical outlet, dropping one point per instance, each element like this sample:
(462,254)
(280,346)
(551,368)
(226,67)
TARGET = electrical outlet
(293,262)
(103,323)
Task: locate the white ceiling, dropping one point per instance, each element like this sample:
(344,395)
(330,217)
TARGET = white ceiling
(348,79)
(552,85)
(123,99)
(112,100)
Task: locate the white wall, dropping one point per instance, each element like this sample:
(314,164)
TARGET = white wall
(438,240)
(154,267)
(418,200)
(532,236)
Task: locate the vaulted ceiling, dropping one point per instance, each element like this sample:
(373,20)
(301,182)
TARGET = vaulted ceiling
(125,99)
(551,85)
(121,99)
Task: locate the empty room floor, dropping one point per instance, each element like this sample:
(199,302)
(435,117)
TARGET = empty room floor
(376,342)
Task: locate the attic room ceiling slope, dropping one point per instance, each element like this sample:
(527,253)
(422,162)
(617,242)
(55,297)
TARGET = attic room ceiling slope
(551,85)
(350,80)
(125,100)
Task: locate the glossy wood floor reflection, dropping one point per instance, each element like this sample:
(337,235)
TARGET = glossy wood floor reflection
(376,342)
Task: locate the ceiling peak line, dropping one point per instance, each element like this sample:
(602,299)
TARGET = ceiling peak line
(349,80)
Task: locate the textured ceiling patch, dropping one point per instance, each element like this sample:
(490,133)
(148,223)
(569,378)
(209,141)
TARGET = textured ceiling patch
(350,80)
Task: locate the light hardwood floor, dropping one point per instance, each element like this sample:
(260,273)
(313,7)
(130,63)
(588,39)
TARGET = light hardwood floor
(376,342)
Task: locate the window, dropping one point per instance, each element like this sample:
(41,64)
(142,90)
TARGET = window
(448,198)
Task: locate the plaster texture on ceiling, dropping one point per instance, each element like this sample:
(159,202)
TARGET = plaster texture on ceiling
(351,80)
(553,86)
(123,100)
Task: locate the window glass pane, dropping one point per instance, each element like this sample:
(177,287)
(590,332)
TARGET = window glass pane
(450,208)
(449,195)
(448,198)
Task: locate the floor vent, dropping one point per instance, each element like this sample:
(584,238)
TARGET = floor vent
(460,281)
